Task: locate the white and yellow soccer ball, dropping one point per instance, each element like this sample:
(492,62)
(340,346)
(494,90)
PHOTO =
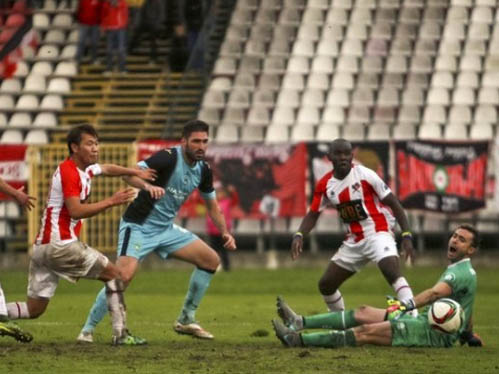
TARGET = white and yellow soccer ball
(446,315)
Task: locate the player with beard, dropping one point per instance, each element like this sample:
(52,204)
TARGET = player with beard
(147,226)
(361,198)
(392,327)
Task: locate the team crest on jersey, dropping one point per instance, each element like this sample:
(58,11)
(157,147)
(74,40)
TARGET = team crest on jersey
(186,179)
(356,187)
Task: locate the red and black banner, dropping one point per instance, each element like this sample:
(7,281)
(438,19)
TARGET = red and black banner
(447,177)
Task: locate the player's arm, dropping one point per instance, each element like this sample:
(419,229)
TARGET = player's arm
(77,210)
(218,219)
(21,198)
(306,225)
(120,171)
(399,213)
(428,296)
(156,192)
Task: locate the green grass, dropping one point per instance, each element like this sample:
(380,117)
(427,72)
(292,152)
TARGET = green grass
(237,309)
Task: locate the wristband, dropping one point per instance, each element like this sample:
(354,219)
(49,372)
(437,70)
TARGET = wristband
(298,233)
(407,234)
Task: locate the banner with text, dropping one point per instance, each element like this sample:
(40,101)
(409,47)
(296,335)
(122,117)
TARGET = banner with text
(13,168)
(447,177)
(269,179)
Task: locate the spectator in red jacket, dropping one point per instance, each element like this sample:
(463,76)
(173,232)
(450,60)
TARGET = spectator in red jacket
(88,16)
(114,20)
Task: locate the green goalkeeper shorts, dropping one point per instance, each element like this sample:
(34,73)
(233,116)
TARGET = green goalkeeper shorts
(410,331)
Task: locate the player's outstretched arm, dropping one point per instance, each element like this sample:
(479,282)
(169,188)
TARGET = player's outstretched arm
(21,198)
(156,192)
(307,224)
(77,210)
(120,171)
(399,213)
(428,296)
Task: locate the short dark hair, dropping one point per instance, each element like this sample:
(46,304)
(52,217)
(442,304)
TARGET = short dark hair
(476,235)
(193,126)
(74,135)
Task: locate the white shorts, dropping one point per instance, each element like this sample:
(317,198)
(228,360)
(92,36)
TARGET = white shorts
(71,261)
(374,248)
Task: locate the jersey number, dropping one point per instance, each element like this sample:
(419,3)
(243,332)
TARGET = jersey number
(352,211)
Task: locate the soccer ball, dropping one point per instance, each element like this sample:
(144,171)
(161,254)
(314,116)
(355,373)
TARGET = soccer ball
(446,315)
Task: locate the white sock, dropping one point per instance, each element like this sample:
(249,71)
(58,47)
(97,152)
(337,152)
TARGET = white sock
(116,306)
(3,306)
(334,302)
(18,310)
(402,289)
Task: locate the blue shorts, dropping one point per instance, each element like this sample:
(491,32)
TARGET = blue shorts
(138,240)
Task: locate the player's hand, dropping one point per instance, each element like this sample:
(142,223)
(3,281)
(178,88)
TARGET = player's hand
(24,200)
(147,174)
(156,192)
(407,248)
(123,196)
(296,247)
(470,338)
(229,242)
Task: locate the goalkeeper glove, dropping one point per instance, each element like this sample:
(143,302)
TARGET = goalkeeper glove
(470,338)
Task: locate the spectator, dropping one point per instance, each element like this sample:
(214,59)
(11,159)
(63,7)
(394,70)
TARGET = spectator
(227,199)
(191,17)
(88,15)
(114,20)
(149,22)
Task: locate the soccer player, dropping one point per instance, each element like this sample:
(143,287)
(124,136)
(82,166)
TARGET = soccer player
(392,327)
(9,328)
(57,252)
(147,226)
(361,198)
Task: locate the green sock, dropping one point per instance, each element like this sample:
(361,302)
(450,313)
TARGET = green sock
(333,320)
(200,280)
(329,339)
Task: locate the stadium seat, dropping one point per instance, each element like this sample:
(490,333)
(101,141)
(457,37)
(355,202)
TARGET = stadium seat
(11,137)
(252,134)
(333,114)
(62,20)
(227,134)
(327,48)
(293,81)
(308,32)
(463,96)
(313,16)
(332,33)
(454,31)
(460,114)
(258,116)
(446,63)
(308,115)
(224,66)
(288,97)
(234,116)
(52,103)
(396,64)
(5,229)
(352,47)
(347,64)
(48,52)
(277,134)
(313,97)
(363,96)
(68,52)
(290,16)
(302,133)
(252,48)
(36,137)
(35,83)
(279,47)
(303,48)
(469,79)
(455,131)
(488,96)
(327,132)
(338,97)
(27,102)
(22,69)
(368,80)
(41,68)
(239,98)
(248,226)
(223,84)
(3,120)
(378,131)
(354,132)
(45,119)
(404,131)
(6,102)
(298,64)
(264,98)
(481,131)
(41,21)
(20,120)
(343,80)
(59,86)
(485,114)
(210,116)
(470,63)
(413,96)
(327,224)
(10,86)
(283,116)
(73,37)
(269,81)
(286,33)
(318,81)
(442,79)
(430,131)
(214,99)
(242,80)
(250,65)
(388,96)
(55,37)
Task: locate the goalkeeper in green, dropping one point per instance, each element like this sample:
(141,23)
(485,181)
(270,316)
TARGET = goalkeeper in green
(392,326)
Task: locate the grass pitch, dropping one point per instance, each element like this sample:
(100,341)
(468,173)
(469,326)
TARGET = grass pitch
(237,310)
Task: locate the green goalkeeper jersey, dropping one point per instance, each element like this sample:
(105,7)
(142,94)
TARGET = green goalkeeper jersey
(461,277)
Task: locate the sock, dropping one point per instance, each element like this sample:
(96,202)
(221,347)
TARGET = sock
(199,283)
(3,306)
(402,289)
(333,320)
(334,302)
(97,312)
(18,310)
(329,339)
(116,306)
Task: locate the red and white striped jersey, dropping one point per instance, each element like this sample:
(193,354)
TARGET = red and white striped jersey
(357,198)
(57,226)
